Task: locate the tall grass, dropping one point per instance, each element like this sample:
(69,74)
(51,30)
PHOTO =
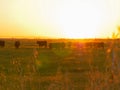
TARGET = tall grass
(109,78)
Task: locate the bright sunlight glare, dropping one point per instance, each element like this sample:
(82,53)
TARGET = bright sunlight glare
(59,18)
(82,21)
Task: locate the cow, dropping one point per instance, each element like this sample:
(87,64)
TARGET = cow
(79,45)
(17,44)
(57,45)
(2,43)
(62,45)
(42,44)
(69,44)
(89,45)
(96,45)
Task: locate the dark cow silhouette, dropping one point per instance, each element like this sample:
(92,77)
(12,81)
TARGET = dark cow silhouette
(62,45)
(2,43)
(69,44)
(42,43)
(79,45)
(89,45)
(57,45)
(98,45)
(95,45)
(17,44)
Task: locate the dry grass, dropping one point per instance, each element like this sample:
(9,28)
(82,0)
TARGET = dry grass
(43,69)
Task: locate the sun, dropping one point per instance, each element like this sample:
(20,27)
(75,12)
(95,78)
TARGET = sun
(82,22)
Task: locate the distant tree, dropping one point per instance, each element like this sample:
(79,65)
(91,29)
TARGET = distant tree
(17,44)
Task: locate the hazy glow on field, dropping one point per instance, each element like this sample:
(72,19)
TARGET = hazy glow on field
(59,18)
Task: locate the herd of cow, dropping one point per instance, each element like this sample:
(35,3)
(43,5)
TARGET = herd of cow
(51,45)
(61,45)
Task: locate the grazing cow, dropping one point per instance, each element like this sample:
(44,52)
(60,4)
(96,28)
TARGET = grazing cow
(98,45)
(42,43)
(89,45)
(17,44)
(62,45)
(79,45)
(2,43)
(69,44)
(54,45)
(95,45)
(57,45)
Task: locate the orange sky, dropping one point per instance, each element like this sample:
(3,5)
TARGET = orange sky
(59,18)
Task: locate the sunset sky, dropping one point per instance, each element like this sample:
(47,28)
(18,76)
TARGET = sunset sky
(59,18)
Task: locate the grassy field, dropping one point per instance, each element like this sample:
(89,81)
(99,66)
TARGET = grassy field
(34,68)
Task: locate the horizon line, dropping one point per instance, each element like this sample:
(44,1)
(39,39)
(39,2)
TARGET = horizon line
(23,37)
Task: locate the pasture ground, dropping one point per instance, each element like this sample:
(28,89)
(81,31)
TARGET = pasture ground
(28,68)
